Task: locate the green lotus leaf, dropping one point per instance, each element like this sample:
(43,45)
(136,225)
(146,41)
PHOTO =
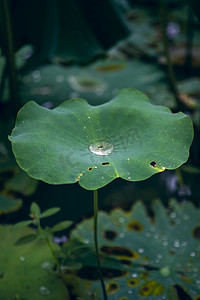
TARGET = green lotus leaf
(26,271)
(157,256)
(127,137)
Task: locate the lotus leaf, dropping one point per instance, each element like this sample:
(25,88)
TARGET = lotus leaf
(127,137)
(156,256)
(26,272)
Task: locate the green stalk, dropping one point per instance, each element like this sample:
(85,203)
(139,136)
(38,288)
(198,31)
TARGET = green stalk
(53,253)
(50,246)
(8,51)
(96,243)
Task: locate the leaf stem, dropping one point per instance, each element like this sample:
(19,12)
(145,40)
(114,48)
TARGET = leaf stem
(96,243)
(53,253)
(50,247)
(8,51)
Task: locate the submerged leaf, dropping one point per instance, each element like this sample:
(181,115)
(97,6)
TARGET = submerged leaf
(127,137)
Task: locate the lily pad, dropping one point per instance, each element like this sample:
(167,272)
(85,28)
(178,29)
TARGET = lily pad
(127,137)
(156,255)
(21,183)
(26,272)
(97,82)
(8,204)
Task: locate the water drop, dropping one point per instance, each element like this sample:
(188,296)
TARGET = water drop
(86,241)
(84,127)
(192,254)
(140,250)
(36,76)
(121,235)
(44,291)
(176,244)
(101,148)
(121,219)
(165,243)
(46,265)
(173,215)
(134,275)
(129,178)
(130,292)
(22,258)
(102,177)
(89,117)
(165,271)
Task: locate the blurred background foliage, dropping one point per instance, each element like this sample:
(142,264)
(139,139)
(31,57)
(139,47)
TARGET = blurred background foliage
(54,50)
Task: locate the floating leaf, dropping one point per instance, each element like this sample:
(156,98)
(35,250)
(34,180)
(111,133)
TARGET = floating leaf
(27,271)
(127,137)
(157,254)
(97,82)
(49,212)
(22,183)
(8,205)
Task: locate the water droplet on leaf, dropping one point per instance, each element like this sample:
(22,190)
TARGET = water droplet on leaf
(22,258)
(101,148)
(46,265)
(176,244)
(121,219)
(165,243)
(140,250)
(173,215)
(44,291)
(165,271)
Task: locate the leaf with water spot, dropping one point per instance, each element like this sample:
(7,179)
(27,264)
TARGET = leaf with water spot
(127,137)
(26,271)
(156,255)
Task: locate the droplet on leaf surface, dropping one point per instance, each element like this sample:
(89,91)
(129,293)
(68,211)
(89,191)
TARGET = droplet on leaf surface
(44,291)
(101,148)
